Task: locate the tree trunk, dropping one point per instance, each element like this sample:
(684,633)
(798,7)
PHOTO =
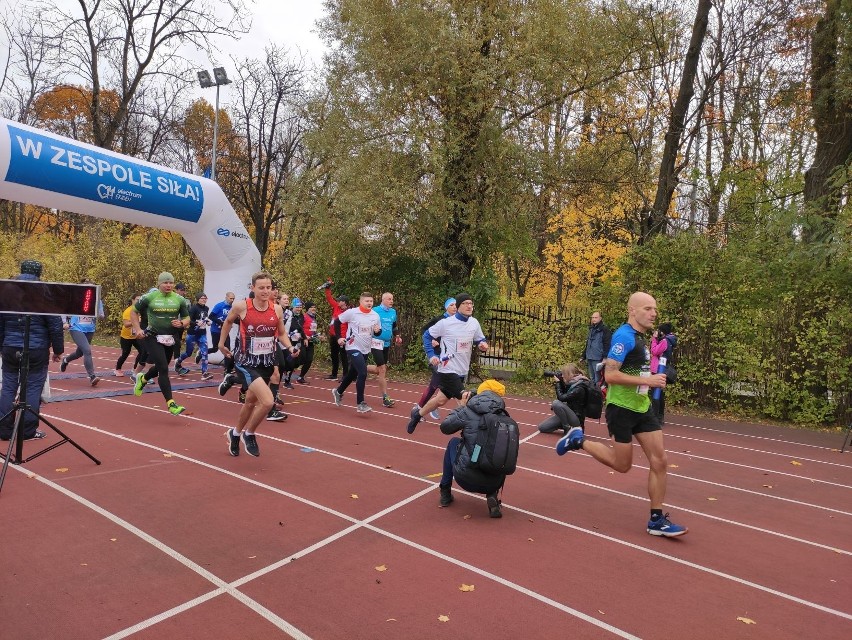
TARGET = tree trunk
(655,221)
(832,113)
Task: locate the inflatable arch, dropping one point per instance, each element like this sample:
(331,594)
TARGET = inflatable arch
(41,168)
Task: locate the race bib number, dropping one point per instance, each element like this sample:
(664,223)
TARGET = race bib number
(365,330)
(166,340)
(87,320)
(377,343)
(464,346)
(262,346)
(642,389)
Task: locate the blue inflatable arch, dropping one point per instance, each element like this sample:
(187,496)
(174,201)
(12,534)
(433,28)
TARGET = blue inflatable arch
(41,168)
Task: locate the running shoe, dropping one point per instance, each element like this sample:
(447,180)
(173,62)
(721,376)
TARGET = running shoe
(233,442)
(330,378)
(493,505)
(338,397)
(62,365)
(662,526)
(250,444)
(227,383)
(387,402)
(288,384)
(415,418)
(177,366)
(198,358)
(140,384)
(446,495)
(301,380)
(435,414)
(118,373)
(571,441)
(182,371)
(242,397)
(276,416)
(94,380)
(206,376)
(174,408)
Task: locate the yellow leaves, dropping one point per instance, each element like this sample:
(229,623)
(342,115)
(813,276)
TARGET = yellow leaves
(466,587)
(795,463)
(745,620)
(382,567)
(673,466)
(168,455)
(62,470)
(443,618)
(354,496)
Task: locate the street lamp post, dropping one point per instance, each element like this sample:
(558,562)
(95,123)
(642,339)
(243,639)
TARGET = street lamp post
(206,82)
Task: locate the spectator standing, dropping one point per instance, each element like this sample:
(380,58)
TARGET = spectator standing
(598,342)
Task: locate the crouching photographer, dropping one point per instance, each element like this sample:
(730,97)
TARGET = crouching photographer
(573,391)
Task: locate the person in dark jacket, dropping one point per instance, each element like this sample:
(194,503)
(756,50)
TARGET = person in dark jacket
(46,333)
(569,408)
(487,399)
(597,345)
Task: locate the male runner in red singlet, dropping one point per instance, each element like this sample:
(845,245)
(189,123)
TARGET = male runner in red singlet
(261,325)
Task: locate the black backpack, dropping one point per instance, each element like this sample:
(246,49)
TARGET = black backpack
(594,401)
(496,449)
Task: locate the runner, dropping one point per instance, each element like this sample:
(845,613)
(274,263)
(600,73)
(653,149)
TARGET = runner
(128,340)
(381,345)
(168,316)
(458,335)
(261,326)
(364,327)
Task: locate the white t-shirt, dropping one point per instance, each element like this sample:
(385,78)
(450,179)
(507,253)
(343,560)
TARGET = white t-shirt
(458,340)
(359,335)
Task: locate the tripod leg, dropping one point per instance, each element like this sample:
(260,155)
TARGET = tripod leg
(13,439)
(63,438)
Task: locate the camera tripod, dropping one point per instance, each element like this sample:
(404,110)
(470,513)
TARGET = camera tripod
(20,408)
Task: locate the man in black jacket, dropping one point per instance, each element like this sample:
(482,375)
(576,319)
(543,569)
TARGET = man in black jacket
(597,345)
(466,419)
(45,332)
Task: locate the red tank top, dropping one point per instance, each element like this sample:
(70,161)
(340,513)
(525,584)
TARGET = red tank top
(258,333)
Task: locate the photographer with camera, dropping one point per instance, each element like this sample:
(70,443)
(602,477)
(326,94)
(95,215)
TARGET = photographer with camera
(572,393)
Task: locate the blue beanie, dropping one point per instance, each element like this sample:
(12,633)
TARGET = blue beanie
(448,302)
(296,303)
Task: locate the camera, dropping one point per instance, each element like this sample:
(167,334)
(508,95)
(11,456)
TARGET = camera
(548,374)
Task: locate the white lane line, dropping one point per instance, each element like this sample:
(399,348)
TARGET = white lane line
(223,587)
(231,588)
(674,452)
(535,514)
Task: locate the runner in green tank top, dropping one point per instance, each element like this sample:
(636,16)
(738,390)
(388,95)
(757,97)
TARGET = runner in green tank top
(167,315)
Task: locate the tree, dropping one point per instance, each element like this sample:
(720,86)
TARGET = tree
(128,47)
(831,104)
(655,222)
(269,124)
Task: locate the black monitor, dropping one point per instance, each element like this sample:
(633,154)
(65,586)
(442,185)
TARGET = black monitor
(48,298)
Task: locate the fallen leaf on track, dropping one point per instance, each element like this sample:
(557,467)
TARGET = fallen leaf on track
(168,455)
(62,470)
(467,587)
(113,539)
(673,466)
(796,463)
(391,620)
(467,517)
(444,618)
(354,496)
(381,567)
(530,539)
(767,486)
(601,612)
(745,620)
(713,499)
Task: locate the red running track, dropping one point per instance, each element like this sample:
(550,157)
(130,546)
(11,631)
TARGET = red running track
(334,532)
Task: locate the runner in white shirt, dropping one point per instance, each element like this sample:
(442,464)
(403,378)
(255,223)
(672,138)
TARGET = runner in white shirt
(459,335)
(362,336)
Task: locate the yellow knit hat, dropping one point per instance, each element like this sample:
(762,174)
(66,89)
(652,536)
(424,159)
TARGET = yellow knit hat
(492,385)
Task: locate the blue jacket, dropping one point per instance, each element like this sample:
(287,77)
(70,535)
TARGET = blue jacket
(45,332)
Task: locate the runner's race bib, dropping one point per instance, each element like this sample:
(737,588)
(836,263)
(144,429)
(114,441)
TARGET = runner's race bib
(463,346)
(377,343)
(166,340)
(642,389)
(262,346)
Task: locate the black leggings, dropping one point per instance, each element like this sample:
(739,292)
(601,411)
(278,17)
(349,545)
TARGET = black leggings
(160,355)
(307,358)
(127,344)
(358,372)
(338,357)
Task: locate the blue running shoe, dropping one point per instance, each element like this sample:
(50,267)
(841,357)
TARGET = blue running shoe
(415,418)
(571,441)
(662,526)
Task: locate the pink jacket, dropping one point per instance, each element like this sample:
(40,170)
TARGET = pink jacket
(657,349)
